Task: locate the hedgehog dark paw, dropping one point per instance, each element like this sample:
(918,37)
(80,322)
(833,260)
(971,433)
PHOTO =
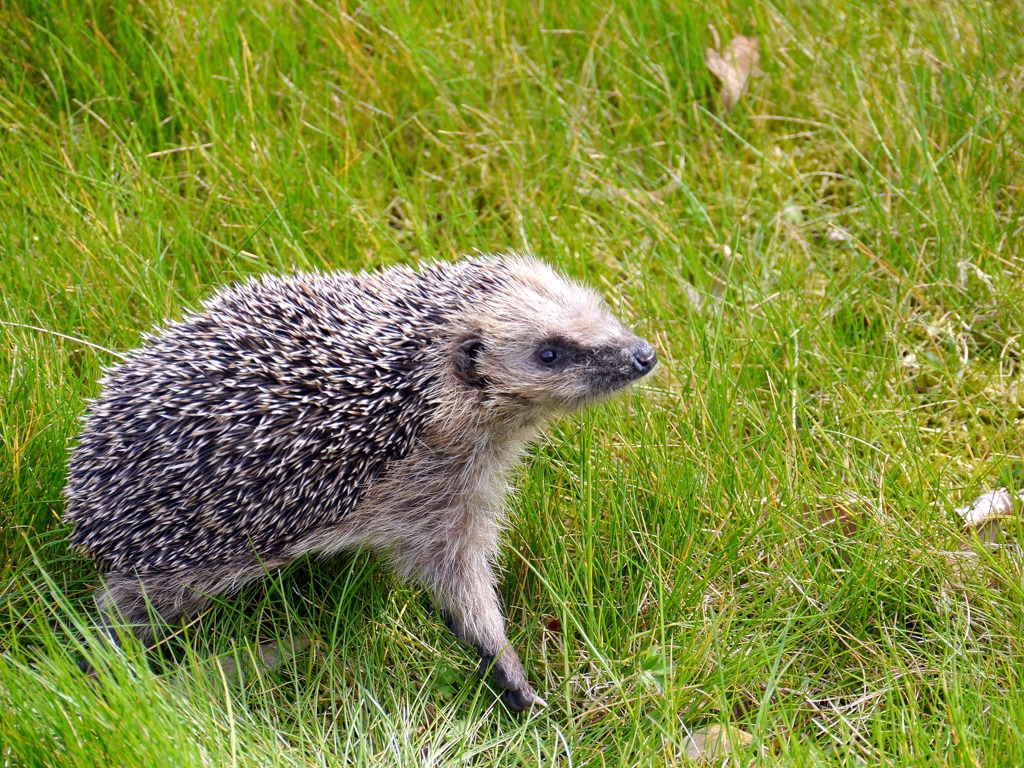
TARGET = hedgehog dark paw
(509,678)
(522,699)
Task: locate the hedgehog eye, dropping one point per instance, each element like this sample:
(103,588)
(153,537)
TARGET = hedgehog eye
(548,355)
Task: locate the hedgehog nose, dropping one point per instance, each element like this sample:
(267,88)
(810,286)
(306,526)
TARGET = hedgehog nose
(644,358)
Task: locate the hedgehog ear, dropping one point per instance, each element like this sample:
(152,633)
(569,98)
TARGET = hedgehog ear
(465,358)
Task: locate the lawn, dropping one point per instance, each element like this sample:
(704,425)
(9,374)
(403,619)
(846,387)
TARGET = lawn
(762,538)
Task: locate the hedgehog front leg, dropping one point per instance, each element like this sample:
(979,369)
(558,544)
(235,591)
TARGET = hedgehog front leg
(466,596)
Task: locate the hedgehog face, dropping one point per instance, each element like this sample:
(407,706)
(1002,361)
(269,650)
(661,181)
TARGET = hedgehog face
(567,352)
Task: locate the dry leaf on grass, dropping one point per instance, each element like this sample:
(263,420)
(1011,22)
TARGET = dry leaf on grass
(710,744)
(837,518)
(985,514)
(695,297)
(268,655)
(733,66)
(836,234)
(834,526)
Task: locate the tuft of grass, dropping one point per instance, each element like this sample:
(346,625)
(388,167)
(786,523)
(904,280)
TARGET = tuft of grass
(762,538)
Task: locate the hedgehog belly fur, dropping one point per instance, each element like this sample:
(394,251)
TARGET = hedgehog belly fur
(320,412)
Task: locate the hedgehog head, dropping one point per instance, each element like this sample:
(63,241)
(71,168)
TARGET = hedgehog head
(546,345)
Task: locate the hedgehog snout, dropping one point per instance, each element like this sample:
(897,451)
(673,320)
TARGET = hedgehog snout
(644,358)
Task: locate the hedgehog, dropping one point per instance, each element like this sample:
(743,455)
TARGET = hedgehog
(319,412)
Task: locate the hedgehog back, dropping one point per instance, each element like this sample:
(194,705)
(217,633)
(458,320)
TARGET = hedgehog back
(260,418)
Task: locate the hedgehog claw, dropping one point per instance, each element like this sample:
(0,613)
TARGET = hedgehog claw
(520,700)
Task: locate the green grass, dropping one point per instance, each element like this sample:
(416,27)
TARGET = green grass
(667,569)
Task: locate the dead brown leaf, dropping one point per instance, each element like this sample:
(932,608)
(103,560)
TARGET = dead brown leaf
(843,519)
(712,743)
(429,720)
(838,521)
(733,66)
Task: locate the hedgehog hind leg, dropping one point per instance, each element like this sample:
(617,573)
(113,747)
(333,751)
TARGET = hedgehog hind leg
(140,603)
(146,601)
(142,600)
